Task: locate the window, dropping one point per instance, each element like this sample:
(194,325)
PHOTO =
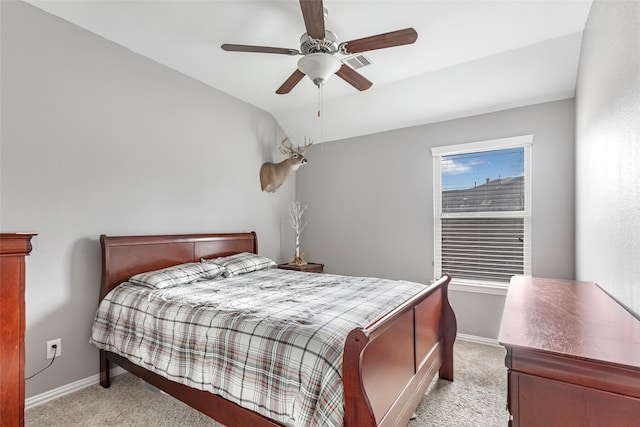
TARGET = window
(482,211)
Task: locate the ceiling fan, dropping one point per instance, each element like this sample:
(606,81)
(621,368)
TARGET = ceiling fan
(319,46)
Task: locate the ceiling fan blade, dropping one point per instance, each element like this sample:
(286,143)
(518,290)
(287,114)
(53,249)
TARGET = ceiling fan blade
(260,49)
(354,78)
(380,41)
(313,14)
(290,82)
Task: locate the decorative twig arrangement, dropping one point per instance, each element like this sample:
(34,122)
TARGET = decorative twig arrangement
(295,219)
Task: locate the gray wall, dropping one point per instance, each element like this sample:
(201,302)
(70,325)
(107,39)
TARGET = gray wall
(608,151)
(96,139)
(371,201)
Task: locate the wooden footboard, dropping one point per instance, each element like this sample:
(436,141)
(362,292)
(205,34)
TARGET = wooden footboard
(387,366)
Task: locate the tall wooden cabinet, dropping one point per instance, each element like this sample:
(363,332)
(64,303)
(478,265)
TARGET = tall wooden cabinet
(573,355)
(13,249)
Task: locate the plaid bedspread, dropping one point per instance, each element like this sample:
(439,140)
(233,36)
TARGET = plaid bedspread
(270,341)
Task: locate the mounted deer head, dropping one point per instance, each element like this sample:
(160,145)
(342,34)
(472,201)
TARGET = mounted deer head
(272,175)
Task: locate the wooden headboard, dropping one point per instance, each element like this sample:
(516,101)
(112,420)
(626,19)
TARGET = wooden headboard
(124,256)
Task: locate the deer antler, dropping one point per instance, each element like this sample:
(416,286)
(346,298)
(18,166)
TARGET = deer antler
(289,150)
(284,149)
(307,143)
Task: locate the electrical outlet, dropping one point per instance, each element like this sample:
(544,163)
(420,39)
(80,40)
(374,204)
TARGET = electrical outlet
(57,350)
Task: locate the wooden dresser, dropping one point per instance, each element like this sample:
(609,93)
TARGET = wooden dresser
(13,249)
(573,355)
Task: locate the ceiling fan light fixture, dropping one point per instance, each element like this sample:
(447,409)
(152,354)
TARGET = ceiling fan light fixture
(319,66)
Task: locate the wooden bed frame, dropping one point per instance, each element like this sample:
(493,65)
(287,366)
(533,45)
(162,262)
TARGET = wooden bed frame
(387,366)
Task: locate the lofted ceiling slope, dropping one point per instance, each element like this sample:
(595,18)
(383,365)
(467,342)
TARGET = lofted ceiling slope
(470,57)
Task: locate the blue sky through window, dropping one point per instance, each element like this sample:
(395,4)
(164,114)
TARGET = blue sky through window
(469,170)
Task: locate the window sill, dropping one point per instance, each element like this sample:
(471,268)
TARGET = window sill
(490,289)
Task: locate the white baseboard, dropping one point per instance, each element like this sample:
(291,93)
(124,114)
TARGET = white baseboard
(478,340)
(50,395)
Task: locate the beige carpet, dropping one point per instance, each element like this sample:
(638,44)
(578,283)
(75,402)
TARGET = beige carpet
(477,397)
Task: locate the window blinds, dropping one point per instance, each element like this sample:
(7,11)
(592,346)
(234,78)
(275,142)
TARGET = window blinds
(481,210)
(487,249)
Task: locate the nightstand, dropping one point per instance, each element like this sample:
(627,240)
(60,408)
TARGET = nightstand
(307,268)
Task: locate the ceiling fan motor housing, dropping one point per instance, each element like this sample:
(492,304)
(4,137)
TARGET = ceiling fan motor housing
(329,44)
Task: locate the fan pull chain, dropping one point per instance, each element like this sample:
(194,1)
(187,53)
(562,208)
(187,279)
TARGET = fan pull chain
(320,118)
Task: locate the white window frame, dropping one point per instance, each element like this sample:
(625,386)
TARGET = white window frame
(480,286)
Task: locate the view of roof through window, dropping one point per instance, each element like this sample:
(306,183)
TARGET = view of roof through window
(472,169)
(488,181)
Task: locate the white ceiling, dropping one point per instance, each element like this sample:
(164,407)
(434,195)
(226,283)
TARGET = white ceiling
(471,56)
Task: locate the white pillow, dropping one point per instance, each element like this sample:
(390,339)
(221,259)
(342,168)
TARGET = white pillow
(177,275)
(244,262)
